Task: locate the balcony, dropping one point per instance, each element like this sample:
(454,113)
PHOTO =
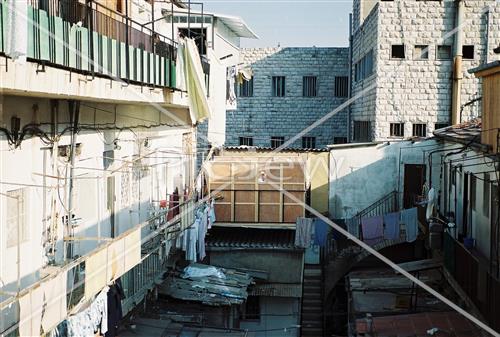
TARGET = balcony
(97,41)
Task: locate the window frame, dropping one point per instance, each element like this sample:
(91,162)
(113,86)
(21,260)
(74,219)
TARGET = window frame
(308,142)
(397,126)
(359,126)
(415,130)
(416,51)
(278,86)
(393,52)
(464,47)
(243,139)
(341,86)
(311,92)
(439,47)
(277,141)
(245,89)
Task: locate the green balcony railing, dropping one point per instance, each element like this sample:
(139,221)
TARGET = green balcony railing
(92,39)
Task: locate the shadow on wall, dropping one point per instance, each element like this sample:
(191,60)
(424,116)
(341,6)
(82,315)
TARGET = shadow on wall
(264,115)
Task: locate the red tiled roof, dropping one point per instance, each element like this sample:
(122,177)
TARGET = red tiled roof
(417,325)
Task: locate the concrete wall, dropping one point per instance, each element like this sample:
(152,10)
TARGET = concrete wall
(277,313)
(263,115)
(403,85)
(282,266)
(361,175)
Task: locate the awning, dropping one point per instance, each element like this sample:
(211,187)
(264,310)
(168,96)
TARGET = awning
(237,25)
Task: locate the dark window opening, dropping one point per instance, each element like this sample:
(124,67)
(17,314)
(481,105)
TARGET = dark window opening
(199,36)
(308,142)
(398,51)
(486,195)
(309,86)
(468,52)
(362,131)
(473,190)
(246,88)
(339,140)
(252,308)
(419,130)
(248,141)
(341,86)
(278,86)
(277,141)
(444,52)
(397,129)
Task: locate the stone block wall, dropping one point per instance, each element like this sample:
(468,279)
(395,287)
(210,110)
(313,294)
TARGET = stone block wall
(412,90)
(263,116)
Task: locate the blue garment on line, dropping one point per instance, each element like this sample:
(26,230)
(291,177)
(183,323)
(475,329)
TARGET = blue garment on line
(320,232)
(391,221)
(373,230)
(409,218)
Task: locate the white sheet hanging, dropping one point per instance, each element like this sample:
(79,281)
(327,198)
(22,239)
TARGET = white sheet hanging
(16,44)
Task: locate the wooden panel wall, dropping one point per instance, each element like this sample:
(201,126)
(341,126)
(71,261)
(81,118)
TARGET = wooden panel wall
(253,191)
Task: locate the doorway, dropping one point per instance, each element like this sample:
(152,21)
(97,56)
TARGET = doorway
(414,180)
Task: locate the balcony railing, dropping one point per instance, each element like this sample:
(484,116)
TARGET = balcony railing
(92,39)
(474,278)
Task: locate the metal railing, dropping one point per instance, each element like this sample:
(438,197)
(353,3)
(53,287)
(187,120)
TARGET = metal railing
(474,278)
(89,38)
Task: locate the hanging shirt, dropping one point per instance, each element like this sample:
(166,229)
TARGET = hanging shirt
(391,221)
(409,218)
(303,232)
(373,230)
(321,229)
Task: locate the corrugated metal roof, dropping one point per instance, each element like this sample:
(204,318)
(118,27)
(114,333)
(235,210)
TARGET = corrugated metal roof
(250,238)
(264,148)
(276,290)
(468,133)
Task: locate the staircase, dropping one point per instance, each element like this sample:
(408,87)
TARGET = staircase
(312,302)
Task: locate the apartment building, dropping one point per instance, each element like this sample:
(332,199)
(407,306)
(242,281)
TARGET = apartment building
(291,88)
(97,135)
(409,64)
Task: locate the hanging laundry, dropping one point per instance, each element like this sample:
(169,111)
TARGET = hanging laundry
(211,218)
(391,221)
(431,198)
(115,314)
(353,226)
(16,30)
(321,229)
(89,321)
(303,232)
(373,230)
(409,218)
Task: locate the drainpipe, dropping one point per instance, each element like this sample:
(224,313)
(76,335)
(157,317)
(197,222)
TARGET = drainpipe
(74,111)
(350,81)
(457,64)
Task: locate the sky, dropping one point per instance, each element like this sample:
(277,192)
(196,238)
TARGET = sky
(292,23)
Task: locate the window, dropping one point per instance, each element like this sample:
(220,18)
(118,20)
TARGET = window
(397,130)
(248,141)
(486,194)
(419,130)
(341,86)
(398,51)
(438,126)
(421,52)
(277,141)
(309,86)
(16,210)
(362,131)
(308,142)
(443,52)
(339,140)
(364,67)
(278,86)
(246,88)
(468,52)
(252,308)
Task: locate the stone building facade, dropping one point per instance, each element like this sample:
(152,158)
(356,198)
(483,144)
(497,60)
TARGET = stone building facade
(315,83)
(403,64)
